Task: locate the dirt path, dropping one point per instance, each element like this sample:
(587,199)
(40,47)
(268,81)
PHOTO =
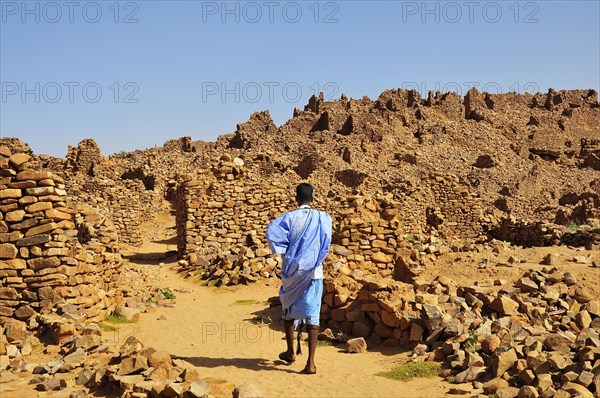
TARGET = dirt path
(216,330)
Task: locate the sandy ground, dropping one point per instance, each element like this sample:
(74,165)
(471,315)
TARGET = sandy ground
(230,333)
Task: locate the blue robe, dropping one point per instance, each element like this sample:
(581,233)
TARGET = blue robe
(303,236)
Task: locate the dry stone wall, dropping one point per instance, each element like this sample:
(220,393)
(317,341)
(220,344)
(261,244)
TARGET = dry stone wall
(83,157)
(223,217)
(53,256)
(456,212)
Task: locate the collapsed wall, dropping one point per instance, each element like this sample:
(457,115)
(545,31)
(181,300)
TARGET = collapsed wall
(53,256)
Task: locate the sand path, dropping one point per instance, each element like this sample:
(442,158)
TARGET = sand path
(216,330)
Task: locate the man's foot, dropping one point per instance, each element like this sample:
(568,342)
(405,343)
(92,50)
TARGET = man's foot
(310,370)
(284,356)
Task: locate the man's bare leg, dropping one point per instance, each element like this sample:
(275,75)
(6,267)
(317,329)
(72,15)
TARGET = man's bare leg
(288,326)
(313,332)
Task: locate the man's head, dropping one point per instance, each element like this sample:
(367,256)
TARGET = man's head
(304,194)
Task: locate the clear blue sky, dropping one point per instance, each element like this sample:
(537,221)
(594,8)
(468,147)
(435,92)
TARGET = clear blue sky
(175,58)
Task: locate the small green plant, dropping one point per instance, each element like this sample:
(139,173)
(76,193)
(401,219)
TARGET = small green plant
(321,343)
(573,226)
(409,238)
(117,320)
(246,302)
(472,340)
(107,328)
(411,370)
(168,294)
(150,301)
(324,343)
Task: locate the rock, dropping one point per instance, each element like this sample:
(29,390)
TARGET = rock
(574,388)
(583,295)
(52,384)
(507,392)
(173,390)
(593,307)
(569,279)
(420,349)
(543,382)
(162,373)
(247,391)
(596,382)
(461,389)
(527,285)
(158,358)
(73,360)
(416,332)
(470,374)
(219,387)
(356,345)
(131,314)
(551,259)
(198,389)
(490,344)
(190,375)
(361,329)
(585,378)
(133,364)
(560,362)
(528,392)
(18,159)
(380,257)
(491,386)
(583,319)
(326,335)
(8,251)
(558,342)
(84,376)
(503,362)
(504,305)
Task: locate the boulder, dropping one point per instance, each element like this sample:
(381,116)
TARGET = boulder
(357,345)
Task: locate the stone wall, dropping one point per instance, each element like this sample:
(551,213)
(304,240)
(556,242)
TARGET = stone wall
(456,212)
(83,157)
(53,256)
(223,217)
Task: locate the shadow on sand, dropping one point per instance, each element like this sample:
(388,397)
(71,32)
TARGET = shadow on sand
(255,364)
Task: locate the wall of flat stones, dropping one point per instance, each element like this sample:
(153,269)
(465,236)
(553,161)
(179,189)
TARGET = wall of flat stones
(220,214)
(83,157)
(368,234)
(43,265)
(456,208)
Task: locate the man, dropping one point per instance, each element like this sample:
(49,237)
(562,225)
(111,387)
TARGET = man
(303,237)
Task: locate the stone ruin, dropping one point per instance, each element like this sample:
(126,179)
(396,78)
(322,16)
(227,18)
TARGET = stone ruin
(405,185)
(54,256)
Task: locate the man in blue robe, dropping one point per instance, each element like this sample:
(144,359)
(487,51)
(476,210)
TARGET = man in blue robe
(303,237)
